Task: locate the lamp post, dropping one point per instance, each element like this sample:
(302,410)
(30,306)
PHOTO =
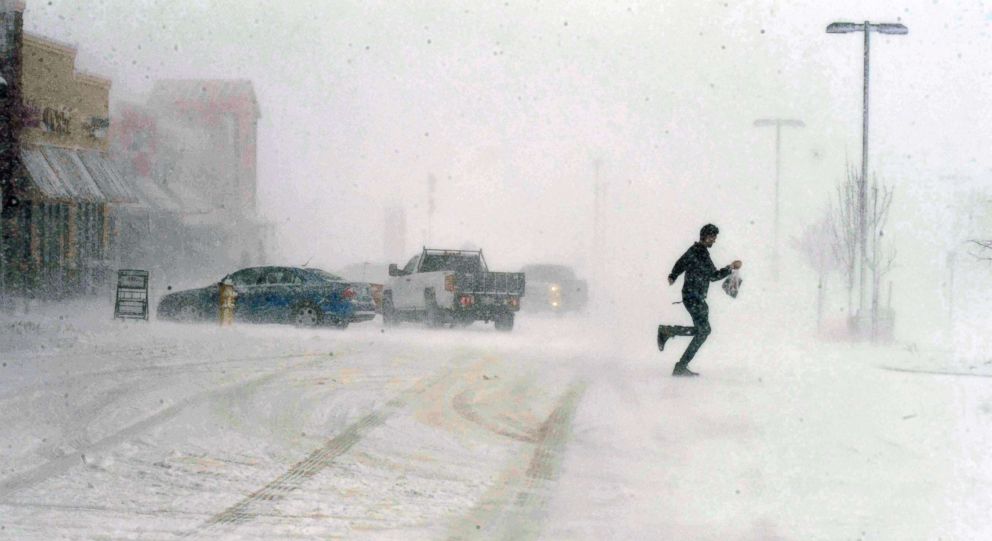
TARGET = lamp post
(6,171)
(862,248)
(778,123)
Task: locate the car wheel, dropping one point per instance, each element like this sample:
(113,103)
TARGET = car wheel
(307,315)
(188,313)
(504,322)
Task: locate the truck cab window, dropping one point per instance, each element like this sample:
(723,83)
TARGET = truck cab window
(453,262)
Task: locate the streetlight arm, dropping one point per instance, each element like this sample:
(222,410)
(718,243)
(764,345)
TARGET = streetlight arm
(881,28)
(886,28)
(844,28)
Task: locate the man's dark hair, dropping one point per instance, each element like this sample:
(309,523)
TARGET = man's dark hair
(708,230)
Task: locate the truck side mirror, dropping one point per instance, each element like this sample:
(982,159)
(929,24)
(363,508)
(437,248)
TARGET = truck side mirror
(394,270)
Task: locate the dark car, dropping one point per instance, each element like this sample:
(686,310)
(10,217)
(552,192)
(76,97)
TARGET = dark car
(553,288)
(302,296)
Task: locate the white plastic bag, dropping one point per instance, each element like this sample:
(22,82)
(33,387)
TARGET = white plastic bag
(732,285)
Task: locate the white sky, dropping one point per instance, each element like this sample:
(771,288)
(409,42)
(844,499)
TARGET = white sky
(509,104)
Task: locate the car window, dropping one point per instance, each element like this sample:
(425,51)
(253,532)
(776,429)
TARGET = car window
(293,277)
(411,267)
(322,275)
(280,277)
(246,277)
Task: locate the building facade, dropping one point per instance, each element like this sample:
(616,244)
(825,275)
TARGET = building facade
(190,152)
(60,188)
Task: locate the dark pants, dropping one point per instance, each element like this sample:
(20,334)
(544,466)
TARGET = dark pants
(700,314)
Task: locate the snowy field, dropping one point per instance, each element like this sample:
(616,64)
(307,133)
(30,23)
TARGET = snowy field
(564,429)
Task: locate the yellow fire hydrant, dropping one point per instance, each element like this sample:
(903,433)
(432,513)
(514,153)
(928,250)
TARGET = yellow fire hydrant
(227,297)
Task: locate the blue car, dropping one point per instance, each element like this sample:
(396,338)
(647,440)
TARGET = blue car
(305,297)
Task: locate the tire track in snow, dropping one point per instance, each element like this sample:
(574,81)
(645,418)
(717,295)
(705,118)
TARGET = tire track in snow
(28,478)
(145,354)
(259,503)
(463,404)
(512,509)
(74,430)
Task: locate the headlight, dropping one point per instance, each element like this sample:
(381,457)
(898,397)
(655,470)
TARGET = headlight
(554,288)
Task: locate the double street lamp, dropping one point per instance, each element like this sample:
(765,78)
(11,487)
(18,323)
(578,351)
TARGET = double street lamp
(866,27)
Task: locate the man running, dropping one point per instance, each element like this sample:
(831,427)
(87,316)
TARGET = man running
(699,272)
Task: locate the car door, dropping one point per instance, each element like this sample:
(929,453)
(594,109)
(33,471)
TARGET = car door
(284,291)
(404,294)
(246,283)
(277,291)
(243,281)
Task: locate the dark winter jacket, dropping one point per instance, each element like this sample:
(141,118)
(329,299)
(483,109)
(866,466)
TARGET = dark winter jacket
(699,272)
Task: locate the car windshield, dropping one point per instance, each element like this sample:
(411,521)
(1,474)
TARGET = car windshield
(323,275)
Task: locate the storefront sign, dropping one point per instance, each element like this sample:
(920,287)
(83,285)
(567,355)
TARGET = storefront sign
(97,127)
(56,120)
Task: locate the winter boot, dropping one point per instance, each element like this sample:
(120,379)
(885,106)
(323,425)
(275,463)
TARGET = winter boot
(682,370)
(663,337)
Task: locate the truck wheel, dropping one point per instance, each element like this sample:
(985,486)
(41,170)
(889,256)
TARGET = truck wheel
(389,315)
(504,322)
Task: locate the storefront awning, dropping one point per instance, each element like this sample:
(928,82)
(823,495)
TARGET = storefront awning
(107,177)
(77,175)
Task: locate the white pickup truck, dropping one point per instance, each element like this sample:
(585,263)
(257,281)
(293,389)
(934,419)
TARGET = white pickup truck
(451,287)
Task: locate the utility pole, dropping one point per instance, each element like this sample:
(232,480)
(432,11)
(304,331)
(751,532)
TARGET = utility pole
(431,186)
(867,27)
(5,140)
(778,123)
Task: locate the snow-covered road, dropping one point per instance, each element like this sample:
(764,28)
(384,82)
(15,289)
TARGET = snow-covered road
(560,430)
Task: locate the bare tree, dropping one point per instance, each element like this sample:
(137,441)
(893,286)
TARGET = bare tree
(878,256)
(845,232)
(817,244)
(984,252)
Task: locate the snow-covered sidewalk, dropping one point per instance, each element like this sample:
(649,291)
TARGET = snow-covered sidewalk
(786,443)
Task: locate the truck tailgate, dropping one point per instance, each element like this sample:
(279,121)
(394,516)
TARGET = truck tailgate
(495,283)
